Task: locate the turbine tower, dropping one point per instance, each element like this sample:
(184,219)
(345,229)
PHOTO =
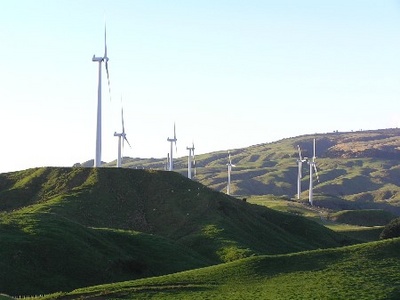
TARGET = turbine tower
(166,167)
(121,140)
(313,166)
(230,165)
(300,161)
(97,160)
(190,160)
(171,160)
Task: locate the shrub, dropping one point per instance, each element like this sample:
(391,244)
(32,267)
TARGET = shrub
(391,230)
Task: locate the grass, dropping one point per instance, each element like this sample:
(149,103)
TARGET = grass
(90,226)
(367,271)
(362,225)
(41,253)
(370,217)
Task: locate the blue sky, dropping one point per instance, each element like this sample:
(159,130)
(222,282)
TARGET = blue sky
(231,74)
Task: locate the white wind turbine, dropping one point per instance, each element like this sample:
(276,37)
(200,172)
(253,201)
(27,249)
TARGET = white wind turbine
(121,140)
(171,160)
(313,166)
(191,160)
(300,161)
(230,165)
(167,163)
(97,160)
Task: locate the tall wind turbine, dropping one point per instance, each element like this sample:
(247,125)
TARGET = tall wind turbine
(171,160)
(104,58)
(121,140)
(230,165)
(300,161)
(190,160)
(313,166)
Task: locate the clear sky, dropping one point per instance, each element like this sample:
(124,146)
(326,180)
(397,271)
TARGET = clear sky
(231,74)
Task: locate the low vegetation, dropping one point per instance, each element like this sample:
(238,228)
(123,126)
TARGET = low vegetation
(94,226)
(391,230)
(367,271)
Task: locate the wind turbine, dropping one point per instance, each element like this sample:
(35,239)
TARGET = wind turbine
(300,161)
(313,166)
(171,160)
(121,136)
(190,160)
(104,58)
(167,163)
(230,165)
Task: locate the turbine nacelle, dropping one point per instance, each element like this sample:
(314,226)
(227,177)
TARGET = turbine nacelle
(98,59)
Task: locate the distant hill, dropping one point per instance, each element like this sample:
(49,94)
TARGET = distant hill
(357,170)
(63,228)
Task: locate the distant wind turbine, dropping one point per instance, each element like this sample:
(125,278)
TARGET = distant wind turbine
(313,166)
(121,140)
(230,165)
(300,161)
(171,159)
(97,160)
(167,163)
(191,160)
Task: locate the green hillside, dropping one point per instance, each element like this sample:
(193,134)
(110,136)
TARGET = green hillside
(63,228)
(367,271)
(357,170)
(44,252)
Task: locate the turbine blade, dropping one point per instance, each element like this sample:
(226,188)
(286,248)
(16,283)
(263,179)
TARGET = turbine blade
(105,40)
(314,149)
(174,133)
(108,76)
(299,150)
(122,117)
(127,141)
(316,171)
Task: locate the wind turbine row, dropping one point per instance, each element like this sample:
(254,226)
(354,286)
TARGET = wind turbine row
(121,136)
(313,166)
(191,160)
(170,156)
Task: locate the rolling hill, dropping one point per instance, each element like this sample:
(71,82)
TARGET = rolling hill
(357,170)
(64,228)
(367,271)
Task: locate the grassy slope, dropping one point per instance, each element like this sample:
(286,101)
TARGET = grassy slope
(43,252)
(363,225)
(49,228)
(367,271)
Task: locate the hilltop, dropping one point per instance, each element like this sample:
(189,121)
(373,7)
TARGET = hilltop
(63,228)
